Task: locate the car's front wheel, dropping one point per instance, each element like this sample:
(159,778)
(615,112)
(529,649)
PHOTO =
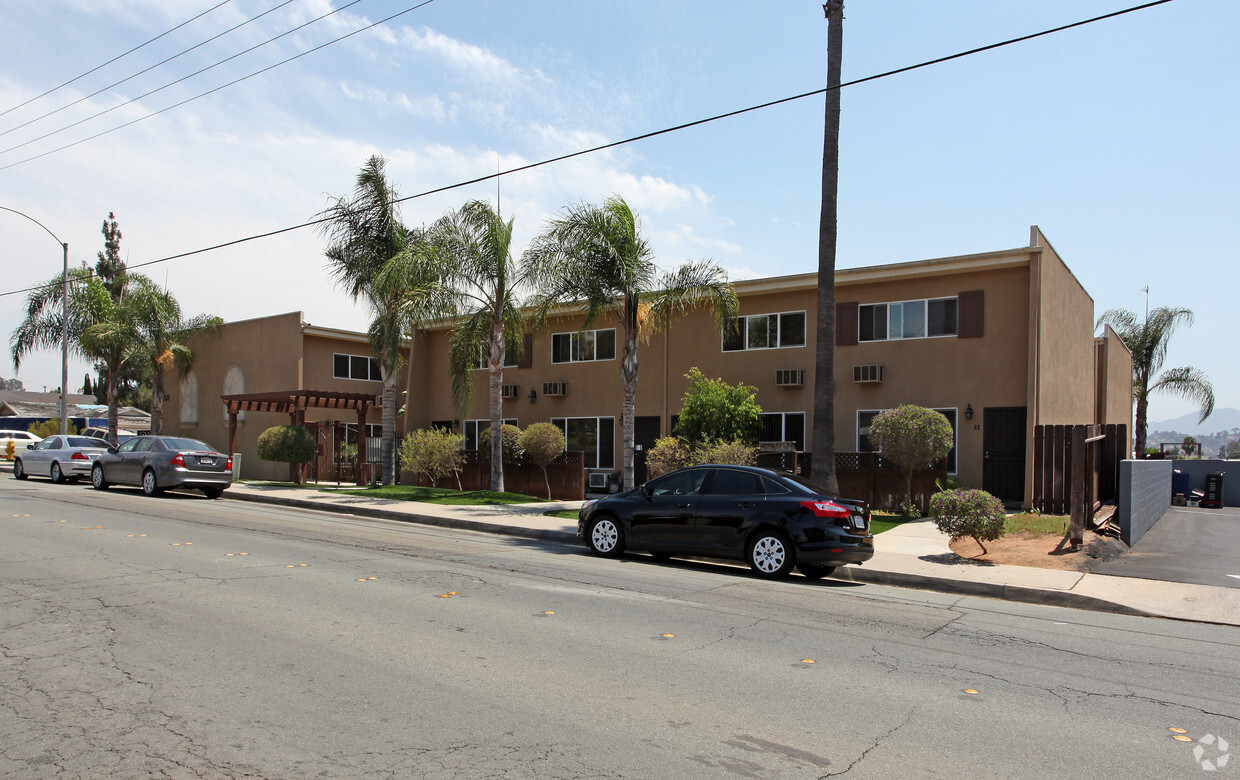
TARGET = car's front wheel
(96,479)
(19,471)
(57,475)
(770,555)
(150,485)
(606,537)
(815,571)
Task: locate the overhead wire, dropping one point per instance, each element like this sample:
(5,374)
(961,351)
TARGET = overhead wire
(652,134)
(190,76)
(114,59)
(114,85)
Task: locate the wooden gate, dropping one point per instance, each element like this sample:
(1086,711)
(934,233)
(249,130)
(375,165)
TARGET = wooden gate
(1076,469)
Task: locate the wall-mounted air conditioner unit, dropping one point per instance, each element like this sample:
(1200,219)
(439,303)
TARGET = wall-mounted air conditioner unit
(790,377)
(872,372)
(509,391)
(555,388)
(599,480)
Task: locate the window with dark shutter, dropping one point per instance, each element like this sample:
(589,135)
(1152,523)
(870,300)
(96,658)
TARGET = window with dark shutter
(972,314)
(527,356)
(846,323)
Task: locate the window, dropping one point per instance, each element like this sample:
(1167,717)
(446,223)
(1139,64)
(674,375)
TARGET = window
(595,436)
(766,331)
(685,483)
(361,367)
(729,482)
(783,426)
(509,360)
(583,346)
(474,427)
(864,418)
(926,318)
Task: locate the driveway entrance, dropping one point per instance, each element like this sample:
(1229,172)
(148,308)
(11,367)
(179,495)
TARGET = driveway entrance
(1199,546)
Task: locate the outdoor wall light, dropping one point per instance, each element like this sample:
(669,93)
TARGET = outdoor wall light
(533,395)
(968,412)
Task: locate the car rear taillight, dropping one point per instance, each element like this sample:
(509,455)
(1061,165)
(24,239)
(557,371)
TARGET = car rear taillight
(178,460)
(229,466)
(79,455)
(827,509)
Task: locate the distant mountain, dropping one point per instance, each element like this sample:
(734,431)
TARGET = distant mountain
(1219,420)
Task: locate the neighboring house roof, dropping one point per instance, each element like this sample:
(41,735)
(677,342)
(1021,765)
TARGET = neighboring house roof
(129,416)
(25,396)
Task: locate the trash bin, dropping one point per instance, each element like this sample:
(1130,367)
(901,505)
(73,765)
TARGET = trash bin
(1213,498)
(1179,487)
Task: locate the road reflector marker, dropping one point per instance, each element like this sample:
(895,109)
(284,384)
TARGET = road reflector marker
(1178,730)
(669,636)
(808,661)
(970,691)
(1182,738)
(548,612)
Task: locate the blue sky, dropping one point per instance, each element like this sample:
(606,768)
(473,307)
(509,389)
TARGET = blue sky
(1117,139)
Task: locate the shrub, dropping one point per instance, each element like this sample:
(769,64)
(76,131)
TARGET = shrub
(912,437)
(510,442)
(713,410)
(287,444)
(735,453)
(966,512)
(51,428)
(667,454)
(434,453)
(542,443)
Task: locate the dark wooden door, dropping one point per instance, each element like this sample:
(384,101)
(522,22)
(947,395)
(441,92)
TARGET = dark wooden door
(1004,442)
(645,432)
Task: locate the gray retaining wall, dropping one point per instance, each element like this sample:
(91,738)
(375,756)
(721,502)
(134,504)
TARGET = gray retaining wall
(1144,495)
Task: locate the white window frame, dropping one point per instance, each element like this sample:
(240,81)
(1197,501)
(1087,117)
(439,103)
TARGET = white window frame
(481,365)
(783,425)
(470,429)
(562,423)
(742,323)
(375,373)
(925,319)
(575,346)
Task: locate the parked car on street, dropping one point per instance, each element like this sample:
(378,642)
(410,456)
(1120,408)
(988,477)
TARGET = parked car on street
(95,432)
(159,463)
(19,438)
(63,458)
(773,520)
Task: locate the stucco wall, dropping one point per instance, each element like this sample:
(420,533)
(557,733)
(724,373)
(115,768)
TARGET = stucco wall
(1113,385)
(1144,495)
(1063,368)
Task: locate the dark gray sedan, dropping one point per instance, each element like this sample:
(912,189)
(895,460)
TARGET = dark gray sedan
(159,463)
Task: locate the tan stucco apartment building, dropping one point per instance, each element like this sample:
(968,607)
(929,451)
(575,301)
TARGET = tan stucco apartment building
(998,341)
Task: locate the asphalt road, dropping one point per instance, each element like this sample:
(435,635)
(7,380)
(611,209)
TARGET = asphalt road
(180,637)
(1187,544)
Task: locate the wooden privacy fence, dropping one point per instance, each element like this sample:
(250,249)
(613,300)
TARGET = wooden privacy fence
(866,476)
(1076,469)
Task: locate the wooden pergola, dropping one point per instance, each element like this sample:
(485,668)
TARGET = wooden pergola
(294,403)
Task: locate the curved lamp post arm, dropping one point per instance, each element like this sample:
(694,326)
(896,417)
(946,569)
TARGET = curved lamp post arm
(64,345)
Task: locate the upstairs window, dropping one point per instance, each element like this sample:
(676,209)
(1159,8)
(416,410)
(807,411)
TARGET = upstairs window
(584,346)
(927,318)
(766,331)
(356,367)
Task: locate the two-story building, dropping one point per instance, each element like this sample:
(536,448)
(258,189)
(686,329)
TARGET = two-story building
(997,341)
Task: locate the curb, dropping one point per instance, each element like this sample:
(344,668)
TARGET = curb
(1052,598)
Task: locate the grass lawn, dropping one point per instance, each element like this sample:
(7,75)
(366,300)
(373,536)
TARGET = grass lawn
(567,514)
(1029,523)
(431,495)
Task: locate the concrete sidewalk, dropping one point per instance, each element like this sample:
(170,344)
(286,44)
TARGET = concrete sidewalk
(913,555)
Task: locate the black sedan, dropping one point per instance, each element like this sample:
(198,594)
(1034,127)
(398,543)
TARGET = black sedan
(159,463)
(773,520)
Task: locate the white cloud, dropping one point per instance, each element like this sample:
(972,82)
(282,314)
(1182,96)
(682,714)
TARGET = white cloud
(426,106)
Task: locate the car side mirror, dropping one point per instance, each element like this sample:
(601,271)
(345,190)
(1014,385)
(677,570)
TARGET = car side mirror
(30,446)
(112,449)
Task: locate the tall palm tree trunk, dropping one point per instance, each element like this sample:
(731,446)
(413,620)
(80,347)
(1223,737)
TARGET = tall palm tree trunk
(388,442)
(113,401)
(628,385)
(157,399)
(496,367)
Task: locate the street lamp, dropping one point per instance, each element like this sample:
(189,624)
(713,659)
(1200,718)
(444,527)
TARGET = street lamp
(64,345)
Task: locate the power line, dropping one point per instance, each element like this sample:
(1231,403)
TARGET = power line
(117,57)
(133,76)
(190,76)
(644,136)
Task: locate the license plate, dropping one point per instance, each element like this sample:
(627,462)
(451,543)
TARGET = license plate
(207,461)
(858,522)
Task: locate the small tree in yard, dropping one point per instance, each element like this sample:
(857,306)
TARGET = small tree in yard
(667,454)
(913,438)
(713,410)
(291,444)
(510,444)
(967,512)
(735,453)
(542,443)
(434,453)
(670,453)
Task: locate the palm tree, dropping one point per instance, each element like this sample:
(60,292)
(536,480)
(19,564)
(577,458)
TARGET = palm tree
(1147,341)
(597,255)
(164,333)
(364,232)
(467,254)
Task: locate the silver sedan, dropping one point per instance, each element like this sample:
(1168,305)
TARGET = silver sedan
(159,463)
(63,458)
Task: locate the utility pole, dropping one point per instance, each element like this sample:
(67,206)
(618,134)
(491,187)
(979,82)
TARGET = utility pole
(823,463)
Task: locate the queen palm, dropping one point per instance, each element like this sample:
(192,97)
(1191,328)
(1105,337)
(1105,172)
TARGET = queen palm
(467,254)
(1147,341)
(364,232)
(596,254)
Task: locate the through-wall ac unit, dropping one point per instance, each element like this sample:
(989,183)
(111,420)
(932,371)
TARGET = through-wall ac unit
(872,372)
(790,377)
(599,480)
(555,388)
(509,391)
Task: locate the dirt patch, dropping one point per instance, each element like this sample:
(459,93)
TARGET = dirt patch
(1038,550)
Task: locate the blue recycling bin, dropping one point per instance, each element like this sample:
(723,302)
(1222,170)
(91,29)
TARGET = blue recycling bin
(1179,484)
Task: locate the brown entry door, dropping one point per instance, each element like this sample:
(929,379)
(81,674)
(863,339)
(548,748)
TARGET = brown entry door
(1003,465)
(645,432)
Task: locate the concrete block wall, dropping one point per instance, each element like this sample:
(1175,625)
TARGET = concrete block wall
(1144,495)
(1198,469)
